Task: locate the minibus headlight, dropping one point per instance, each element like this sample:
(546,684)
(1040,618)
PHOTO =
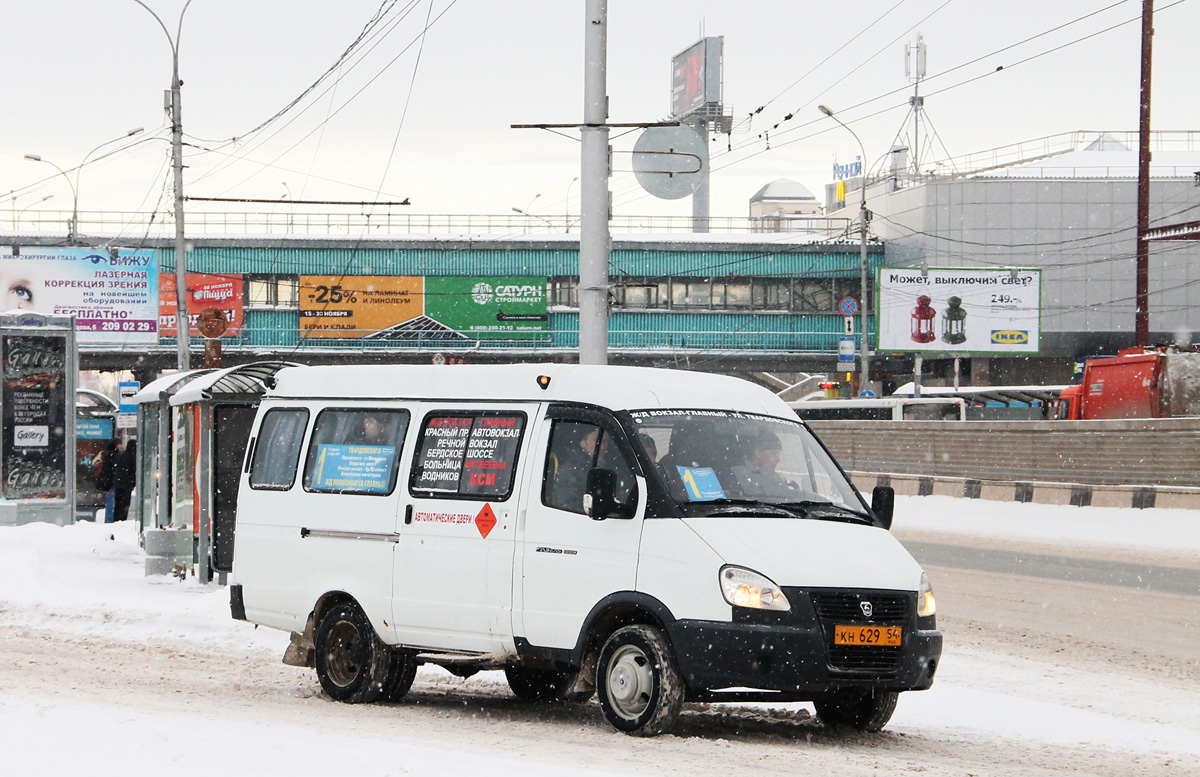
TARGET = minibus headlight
(745,588)
(926,605)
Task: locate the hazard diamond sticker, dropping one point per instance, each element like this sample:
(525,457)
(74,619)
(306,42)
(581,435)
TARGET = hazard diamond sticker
(485,521)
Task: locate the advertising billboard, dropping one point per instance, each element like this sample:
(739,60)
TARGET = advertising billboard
(36,412)
(113,295)
(422,308)
(224,292)
(948,310)
(696,77)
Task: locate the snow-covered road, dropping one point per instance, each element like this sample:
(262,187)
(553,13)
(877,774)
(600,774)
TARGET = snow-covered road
(104,671)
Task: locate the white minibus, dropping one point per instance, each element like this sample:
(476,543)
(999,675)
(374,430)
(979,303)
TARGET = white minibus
(647,536)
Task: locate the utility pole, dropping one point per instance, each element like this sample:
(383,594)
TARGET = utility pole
(700,198)
(182,319)
(594,238)
(1142,313)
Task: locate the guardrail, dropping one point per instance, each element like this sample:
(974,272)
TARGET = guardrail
(282,223)
(1140,458)
(708,340)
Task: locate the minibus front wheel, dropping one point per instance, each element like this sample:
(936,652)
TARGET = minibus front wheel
(638,684)
(352,662)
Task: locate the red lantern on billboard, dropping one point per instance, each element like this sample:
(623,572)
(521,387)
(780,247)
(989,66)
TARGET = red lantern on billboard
(922,321)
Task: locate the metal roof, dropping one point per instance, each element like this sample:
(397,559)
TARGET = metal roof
(168,384)
(243,380)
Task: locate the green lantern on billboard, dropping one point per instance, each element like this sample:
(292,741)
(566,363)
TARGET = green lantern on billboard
(954,322)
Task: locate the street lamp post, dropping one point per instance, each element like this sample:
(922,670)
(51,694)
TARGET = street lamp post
(18,214)
(549,223)
(567,204)
(12,204)
(75,203)
(182,319)
(71,223)
(73,230)
(865,366)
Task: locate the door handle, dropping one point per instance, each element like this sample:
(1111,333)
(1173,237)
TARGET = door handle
(407,514)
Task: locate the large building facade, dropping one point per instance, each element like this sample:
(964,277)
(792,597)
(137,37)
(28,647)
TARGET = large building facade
(1066,205)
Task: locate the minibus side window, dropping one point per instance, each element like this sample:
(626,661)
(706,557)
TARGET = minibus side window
(355,451)
(576,448)
(278,450)
(467,455)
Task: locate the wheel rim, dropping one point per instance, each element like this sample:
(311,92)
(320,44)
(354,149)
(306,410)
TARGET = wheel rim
(630,682)
(343,654)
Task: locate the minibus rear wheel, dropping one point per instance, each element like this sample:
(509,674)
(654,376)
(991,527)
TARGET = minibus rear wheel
(638,684)
(865,710)
(352,662)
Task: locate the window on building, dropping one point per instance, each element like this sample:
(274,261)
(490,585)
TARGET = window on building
(563,292)
(796,295)
(273,290)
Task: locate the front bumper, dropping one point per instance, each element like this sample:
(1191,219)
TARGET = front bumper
(793,652)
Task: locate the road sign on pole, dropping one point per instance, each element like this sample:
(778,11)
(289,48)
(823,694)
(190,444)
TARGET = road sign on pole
(846,349)
(848,327)
(848,306)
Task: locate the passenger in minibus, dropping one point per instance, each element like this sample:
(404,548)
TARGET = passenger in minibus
(758,477)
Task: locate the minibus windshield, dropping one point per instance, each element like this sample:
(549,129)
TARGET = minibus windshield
(719,462)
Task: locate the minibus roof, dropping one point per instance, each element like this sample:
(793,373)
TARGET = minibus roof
(617,388)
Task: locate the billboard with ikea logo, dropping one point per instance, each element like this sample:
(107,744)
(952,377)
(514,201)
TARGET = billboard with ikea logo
(991,311)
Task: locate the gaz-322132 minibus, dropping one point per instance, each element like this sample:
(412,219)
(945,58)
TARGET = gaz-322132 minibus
(646,536)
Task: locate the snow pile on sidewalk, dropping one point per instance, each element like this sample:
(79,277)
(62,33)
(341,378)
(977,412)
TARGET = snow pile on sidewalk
(89,578)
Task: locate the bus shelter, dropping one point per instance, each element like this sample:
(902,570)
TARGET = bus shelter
(201,423)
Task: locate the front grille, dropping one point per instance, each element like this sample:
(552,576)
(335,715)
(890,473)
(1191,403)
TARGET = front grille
(845,608)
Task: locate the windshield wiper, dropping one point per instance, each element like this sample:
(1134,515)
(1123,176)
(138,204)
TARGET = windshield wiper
(827,511)
(746,507)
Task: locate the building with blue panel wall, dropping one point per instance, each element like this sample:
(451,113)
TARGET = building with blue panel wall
(727,302)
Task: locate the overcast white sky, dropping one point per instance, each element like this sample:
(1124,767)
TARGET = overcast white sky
(81,72)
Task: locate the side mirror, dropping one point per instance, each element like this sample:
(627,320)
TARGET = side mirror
(600,498)
(883,504)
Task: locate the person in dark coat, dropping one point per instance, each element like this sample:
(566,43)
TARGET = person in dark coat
(102,476)
(124,477)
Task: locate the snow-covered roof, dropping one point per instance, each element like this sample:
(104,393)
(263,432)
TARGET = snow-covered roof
(783,189)
(619,388)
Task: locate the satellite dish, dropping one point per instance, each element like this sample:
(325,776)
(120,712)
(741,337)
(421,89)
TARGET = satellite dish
(670,162)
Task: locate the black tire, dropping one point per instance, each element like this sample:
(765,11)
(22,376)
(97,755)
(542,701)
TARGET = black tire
(639,686)
(543,685)
(402,670)
(352,662)
(865,710)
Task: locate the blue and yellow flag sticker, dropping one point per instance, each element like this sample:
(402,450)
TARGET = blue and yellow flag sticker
(701,483)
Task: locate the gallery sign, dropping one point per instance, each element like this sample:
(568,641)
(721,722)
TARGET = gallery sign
(416,308)
(113,294)
(954,310)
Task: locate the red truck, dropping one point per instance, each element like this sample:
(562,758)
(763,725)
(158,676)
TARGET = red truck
(1136,383)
